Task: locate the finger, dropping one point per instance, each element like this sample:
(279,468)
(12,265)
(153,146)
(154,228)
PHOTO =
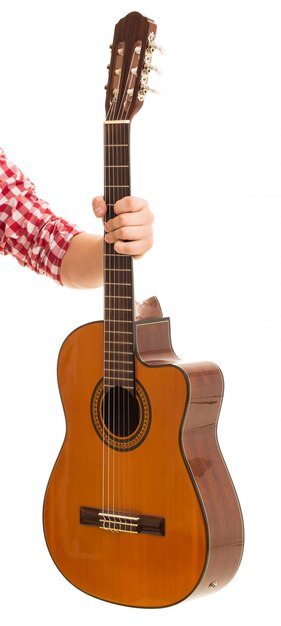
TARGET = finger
(133,248)
(128,233)
(140,214)
(130,204)
(128,219)
(99,206)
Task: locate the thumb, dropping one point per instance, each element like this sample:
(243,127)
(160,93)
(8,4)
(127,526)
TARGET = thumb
(99,206)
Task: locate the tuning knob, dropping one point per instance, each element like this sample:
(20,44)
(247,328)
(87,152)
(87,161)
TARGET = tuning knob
(152,90)
(161,49)
(143,91)
(148,67)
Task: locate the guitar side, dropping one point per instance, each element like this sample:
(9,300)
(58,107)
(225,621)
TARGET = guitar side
(200,448)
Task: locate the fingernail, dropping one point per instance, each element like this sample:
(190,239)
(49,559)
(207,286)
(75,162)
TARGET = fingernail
(98,211)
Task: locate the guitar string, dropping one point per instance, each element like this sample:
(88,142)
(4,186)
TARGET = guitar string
(131,84)
(128,265)
(114,316)
(124,402)
(125,290)
(104,346)
(118,360)
(112,311)
(115,344)
(119,139)
(109,327)
(119,152)
(126,416)
(112,325)
(112,361)
(107,315)
(104,337)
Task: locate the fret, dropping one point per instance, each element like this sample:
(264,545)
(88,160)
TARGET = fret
(119,322)
(110,380)
(117,255)
(117,362)
(124,377)
(111,308)
(129,343)
(118,166)
(114,385)
(123,262)
(119,297)
(121,352)
(116,186)
(116,269)
(122,284)
(130,377)
(115,369)
(116,145)
(114,265)
(112,162)
(120,332)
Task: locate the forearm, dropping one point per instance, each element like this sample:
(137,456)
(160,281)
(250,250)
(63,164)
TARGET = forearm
(50,245)
(82,264)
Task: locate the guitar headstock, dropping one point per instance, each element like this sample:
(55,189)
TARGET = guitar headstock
(130,66)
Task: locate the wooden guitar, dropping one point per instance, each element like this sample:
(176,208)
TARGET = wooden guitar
(140,508)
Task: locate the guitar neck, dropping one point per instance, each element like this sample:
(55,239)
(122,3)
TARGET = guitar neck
(118,269)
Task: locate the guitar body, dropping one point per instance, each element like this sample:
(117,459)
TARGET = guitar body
(172,475)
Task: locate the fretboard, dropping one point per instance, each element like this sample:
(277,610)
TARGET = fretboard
(118,269)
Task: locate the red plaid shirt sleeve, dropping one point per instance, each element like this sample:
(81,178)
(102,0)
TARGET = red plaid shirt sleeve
(28,228)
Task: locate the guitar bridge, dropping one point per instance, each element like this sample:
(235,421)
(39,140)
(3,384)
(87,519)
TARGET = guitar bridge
(122,523)
(119,523)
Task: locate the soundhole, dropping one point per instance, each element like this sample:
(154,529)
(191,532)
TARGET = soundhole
(120,419)
(120,412)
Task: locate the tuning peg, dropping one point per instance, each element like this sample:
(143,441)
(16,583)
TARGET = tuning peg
(143,91)
(161,49)
(153,68)
(152,90)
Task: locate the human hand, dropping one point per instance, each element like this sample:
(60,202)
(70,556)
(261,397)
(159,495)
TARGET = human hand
(131,230)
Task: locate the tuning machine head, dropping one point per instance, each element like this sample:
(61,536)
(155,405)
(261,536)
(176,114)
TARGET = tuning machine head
(148,67)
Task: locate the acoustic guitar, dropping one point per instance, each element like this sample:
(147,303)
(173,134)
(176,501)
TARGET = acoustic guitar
(140,509)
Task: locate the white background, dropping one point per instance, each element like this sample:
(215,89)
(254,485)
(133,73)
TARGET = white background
(207,155)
